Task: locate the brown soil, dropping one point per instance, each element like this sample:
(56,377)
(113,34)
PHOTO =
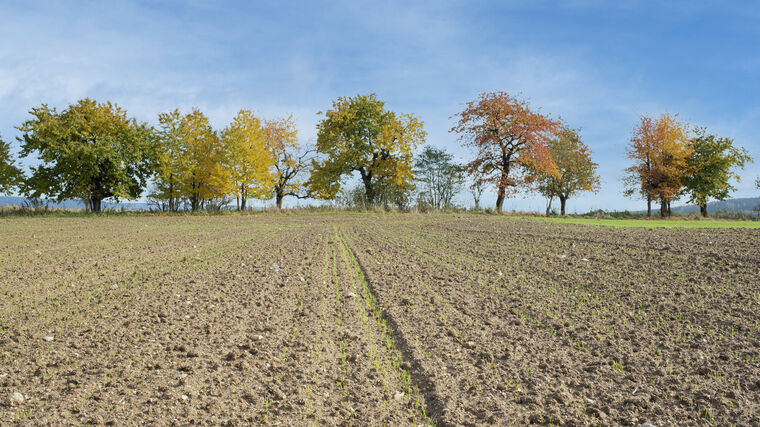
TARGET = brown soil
(376,320)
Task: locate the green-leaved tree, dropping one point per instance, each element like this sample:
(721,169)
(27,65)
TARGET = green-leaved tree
(575,171)
(359,135)
(440,177)
(90,150)
(10,175)
(711,166)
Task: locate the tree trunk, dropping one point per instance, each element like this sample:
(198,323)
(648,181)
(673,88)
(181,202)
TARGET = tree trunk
(278,197)
(562,201)
(649,206)
(369,190)
(171,192)
(663,207)
(243,201)
(703,209)
(549,206)
(96,203)
(670,212)
(499,202)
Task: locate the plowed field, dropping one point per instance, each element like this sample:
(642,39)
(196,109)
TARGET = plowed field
(376,319)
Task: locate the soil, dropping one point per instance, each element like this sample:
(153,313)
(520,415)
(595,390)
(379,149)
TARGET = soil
(374,319)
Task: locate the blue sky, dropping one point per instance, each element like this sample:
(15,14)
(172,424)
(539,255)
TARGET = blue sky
(597,64)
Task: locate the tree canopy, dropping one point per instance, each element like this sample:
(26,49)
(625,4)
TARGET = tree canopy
(90,151)
(659,150)
(711,166)
(10,175)
(247,159)
(439,176)
(359,135)
(171,171)
(575,171)
(291,161)
(510,139)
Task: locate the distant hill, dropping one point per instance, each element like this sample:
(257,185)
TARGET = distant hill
(72,204)
(746,205)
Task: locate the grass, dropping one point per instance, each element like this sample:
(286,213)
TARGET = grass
(653,223)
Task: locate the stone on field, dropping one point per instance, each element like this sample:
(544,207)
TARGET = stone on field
(398,395)
(646,425)
(276,266)
(16,398)
(350,295)
(48,338)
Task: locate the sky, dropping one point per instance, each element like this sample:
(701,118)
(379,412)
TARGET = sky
(599,65)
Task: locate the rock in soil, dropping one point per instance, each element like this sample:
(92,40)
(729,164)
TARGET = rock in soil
(16,399)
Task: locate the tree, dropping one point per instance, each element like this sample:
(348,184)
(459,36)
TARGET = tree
(205,176)
(510,139)
(90,150)
(247,158)
(712,165)
(659,149)
(575,171)
(171,167)
(671,167)
(476,189)
(359,135)
(291,162)
(10,175)
(440,177)
(643,144)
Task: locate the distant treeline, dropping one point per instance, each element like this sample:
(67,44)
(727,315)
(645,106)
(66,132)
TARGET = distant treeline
(94,151)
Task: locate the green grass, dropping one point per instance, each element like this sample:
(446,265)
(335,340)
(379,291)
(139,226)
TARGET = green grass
(653,223)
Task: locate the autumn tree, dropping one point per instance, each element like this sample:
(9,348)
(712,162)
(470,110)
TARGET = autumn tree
(90,150)
(440,177)
(247,158)
(575,171)
(10,175)
(712,164)
(206,177)
(171,167)
(510,139)
(644,143)
(671,161)
(359,135)
(659,149)
(291,161)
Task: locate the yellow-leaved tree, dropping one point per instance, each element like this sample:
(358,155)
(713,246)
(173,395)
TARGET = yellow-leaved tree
(359,135)
(291,161)
(247,159)
(206,177)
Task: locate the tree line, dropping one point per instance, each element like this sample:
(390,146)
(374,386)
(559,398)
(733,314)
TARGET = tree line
(94,151)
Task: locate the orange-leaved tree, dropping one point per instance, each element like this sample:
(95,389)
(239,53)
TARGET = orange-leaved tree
(510,139)
(660,151)
(644,143)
